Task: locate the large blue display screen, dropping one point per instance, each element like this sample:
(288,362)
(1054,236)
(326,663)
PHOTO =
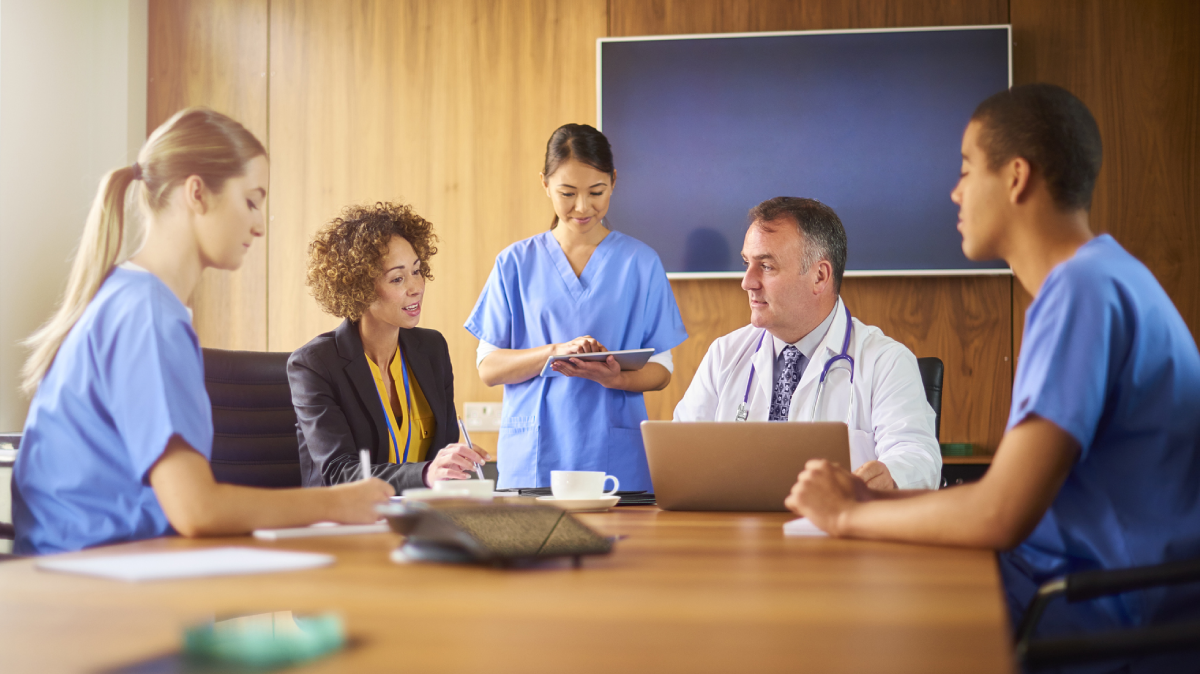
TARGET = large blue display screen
(869,123)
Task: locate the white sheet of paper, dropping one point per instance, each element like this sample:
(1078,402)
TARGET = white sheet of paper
(802,527)
(188,564)
(321,529)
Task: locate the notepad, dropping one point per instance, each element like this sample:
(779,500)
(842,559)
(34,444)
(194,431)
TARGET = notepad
(802,527)
(188,564)
(321,529)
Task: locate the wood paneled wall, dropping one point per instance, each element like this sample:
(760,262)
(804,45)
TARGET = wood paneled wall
(447,104)
(214,53)
(674,17)
(443,104)
(1137,67)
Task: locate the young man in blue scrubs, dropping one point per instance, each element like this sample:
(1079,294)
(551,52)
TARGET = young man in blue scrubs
(1099,467)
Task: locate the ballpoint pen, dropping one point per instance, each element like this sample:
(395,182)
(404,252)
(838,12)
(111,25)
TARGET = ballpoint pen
(467,436)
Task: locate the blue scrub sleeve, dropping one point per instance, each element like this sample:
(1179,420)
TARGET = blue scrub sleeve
(664,325)
(1073,332)
(155,383)
(491,320)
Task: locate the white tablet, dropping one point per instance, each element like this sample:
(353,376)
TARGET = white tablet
(630,359)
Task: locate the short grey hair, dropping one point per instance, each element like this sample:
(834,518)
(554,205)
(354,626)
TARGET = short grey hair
(819,226)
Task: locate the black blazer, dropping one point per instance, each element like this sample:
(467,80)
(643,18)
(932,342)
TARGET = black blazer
(338,410)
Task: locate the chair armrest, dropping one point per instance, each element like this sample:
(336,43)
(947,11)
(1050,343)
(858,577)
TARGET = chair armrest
(7,532)
(1109,645)
(1091,584)
(1086,585)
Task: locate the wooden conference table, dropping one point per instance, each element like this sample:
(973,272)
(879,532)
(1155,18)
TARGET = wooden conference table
(684,592)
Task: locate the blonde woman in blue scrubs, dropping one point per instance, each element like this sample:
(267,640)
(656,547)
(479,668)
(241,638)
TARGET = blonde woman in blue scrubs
(117,443)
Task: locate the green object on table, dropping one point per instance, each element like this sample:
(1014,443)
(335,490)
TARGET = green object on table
(265,640)
(957,449)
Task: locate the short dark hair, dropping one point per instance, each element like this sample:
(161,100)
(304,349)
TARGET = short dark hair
(1050,128)
(580,142)
(819,226)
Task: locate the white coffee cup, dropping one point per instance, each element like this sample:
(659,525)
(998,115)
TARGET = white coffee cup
(474,488)
(581,484)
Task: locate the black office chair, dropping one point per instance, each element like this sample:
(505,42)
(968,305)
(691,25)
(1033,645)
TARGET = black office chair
(254,423)
(1113,644)
(7,532)
(932,371)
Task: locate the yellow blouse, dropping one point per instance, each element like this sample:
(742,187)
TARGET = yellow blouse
(419,436)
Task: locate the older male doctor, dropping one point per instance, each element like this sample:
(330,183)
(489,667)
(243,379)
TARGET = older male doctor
(771,370)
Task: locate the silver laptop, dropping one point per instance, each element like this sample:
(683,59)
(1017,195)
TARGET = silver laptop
(746,466)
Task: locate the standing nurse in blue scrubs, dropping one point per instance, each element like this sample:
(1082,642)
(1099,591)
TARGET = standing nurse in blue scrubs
(578,288)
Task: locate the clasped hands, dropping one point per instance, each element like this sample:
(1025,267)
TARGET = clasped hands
(605,372)
(825,492)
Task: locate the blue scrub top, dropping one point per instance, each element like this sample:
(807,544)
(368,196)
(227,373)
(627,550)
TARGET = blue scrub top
(127,378)
(1107,358)
(533,298)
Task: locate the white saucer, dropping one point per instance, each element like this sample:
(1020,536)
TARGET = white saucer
(582,504)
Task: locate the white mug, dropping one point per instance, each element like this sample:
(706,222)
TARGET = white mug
(581,484)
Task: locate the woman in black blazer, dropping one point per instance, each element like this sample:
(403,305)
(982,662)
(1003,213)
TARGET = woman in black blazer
(377,382)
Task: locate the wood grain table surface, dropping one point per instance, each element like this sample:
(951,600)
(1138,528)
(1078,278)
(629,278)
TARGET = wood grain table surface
(682,592)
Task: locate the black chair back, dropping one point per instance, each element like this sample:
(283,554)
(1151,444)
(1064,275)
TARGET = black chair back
(932,371)
(254,423)
(7,532)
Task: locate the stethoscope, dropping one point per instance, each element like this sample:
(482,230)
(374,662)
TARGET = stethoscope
(408,411)
(843,357)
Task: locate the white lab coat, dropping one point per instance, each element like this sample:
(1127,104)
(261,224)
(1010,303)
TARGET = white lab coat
(891,420)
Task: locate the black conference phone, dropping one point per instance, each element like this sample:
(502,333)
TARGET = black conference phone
(500,533)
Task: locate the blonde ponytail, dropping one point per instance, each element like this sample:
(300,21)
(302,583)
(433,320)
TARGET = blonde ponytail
(195,141)
(103,234)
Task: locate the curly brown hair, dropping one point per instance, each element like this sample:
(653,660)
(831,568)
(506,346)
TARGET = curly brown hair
(346,256)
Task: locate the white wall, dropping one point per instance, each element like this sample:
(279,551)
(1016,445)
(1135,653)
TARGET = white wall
(72,107)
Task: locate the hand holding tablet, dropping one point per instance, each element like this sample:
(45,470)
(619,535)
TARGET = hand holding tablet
(629,359)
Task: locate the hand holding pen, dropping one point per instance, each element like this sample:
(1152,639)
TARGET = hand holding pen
(456,461)
(354,502)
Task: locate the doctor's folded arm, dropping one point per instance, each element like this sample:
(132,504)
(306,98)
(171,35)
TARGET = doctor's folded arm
(805,358)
